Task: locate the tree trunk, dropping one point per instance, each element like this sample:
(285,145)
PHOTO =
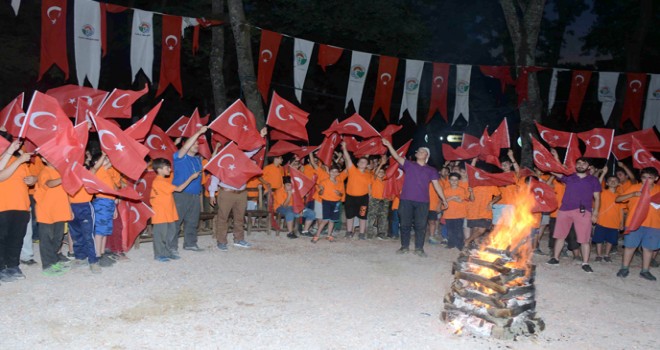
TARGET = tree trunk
(216,60)
(635,44)
(245,62)
(523,20)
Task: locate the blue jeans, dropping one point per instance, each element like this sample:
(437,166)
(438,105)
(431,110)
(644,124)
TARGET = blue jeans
(413,213)
(81,229)
(455,236)
(289,215)
(394,228)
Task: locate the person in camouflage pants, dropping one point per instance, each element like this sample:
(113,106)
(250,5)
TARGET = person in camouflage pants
(378,206)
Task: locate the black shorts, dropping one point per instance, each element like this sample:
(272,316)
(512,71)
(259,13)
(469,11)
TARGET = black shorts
(479,223)
(356,206)
(330,210)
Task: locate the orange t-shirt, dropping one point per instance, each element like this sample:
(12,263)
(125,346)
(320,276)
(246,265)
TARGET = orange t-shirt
(320,176)
(273,175)
(329,188)
(111,178)
(508,194)
(377,188)
(81,197)
(456,210)
(623,188)
(395,203)
(34,167)
(14,191)
(559,188)
(653,218)
(478,209)
(162,201)
(434,199)
(358,182)
(52,202)
(279,197)
(609,214)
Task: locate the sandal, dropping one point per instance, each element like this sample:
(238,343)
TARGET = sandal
(315,239)
(331,239)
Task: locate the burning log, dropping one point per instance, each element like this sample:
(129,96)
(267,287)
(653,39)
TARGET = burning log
(481,280)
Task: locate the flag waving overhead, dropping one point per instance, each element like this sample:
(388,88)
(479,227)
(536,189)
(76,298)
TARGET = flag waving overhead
(554,138)
(329,55)
(119,102)
(356,78)
(232,166)
(623,143)
(53,37)
(462,106)
(393,166)
(176,129)
(501,135)
(67,96)
(301,185)
(140,129)
(302,54)
(87,41)
(287,117)
(642,157)
(632,103)
(478,177)
(237,123)
(459,153)
(545,161)
(607,82)
(269,47)
(44,118)
(579,85)
(413,77)
(387,67)
(599,142)
(194,124)
(160,145)
(281,148)
(170,59)
(142,44)
(356,125)
(439,91)
(327,148)
(652,111)
(641,209)
(12,116)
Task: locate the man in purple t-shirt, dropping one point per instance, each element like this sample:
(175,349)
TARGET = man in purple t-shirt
(582,189)
(414,204)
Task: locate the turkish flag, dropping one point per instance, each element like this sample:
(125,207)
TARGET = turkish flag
(125,154)
(490,149)
(502,73)
(501,135)
(329,55)
(63,151)
(143,185)
(13,116)
(301,185)
(394,183)
(134,217)
(599,142)
(81,132)
(67,96)
(44,118)
(176,129)
(203,147)
(632,103)
(260,157)
(459,153)
(522,83)
(370,147)
(478,177)
(356,125)
(170,59)
(119,102)
(469,142)
(579,85)
(281,148)
(439,91)
(237,123)
(387,67)
(572,154)
(327,148)
(393,166)
(193,125)
(53,37)
(159,144)
(351,143)
(140,129)
(622,143)
(389,131)
(218,139)
(275,135)
(554,138)
(642,208)
(546,199)
(232,166)
(81,111)
(304,151)
(268,49)
(93,185)
(334,127)
(643,158)
(287,117)
(544,160)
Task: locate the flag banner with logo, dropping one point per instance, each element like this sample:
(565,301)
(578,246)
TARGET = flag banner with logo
(387,67)
(142,44)
(357,76)
(329,55)
(652,111)
(413,77)
(632,103)
(607,82)
(552,92)
(462,105)
(439,91)
(579,85)
(87,41)
(170,59)
(302,53)
(268,49)
(53,37)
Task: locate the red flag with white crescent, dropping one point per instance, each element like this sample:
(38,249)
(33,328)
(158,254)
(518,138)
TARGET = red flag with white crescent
(13,116)
(642,157)
(301,185)
(459,153)
(545,161)
(53,37)
(193,125)
(329,55)
(478,177)
(140,129)
(501,135)
(275,135)
(134,217)
(554,138)
(67,96)
(170,60)
(642,208)
(44,118)
(281,148)
(356,125)
(369,147)
(469,142)
(599,142)
(572,154)
(176,129)
(387,67)
(287,117)
(232,166)
(327,148)
(394,165)
(439,91)
(632,103)
(143,185)
(238,124)
(268,49)
(544,194)
(119,102)
(623,143)
(579,85)
(489,151)
(159,144)
(389,131)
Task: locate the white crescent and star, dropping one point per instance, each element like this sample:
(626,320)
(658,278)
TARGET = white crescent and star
(150,139)
(266,52)
(635,82)
(601,139)
(231,118)
(115,104)
(53,9)
(167,41)
(385,75)
(440,78)
(226,156)
(355,125)
(103,133)
(636,156)
(36,115)
(277,113)
(579,79)
(545,162)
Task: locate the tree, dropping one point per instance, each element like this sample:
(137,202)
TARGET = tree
(552,36)
(216,60)
(523,20)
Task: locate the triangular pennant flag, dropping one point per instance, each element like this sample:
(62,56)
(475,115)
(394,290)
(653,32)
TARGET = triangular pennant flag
(53,37)
(439,91)
(15,5)
(502,73)
(413,77)
(579,85)
(387,67)
(142,44)
(607,82)
(302,53)
(170,59)
(356,78)
(552,91)
(652,111)
(522,83)
(87,41)
(632,103)
(269,47)
(462,105)
(329,55)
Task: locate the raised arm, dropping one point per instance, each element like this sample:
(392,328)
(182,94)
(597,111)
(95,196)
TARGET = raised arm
(395,155)
(516,167)
(347,157)
(11,169)
(631,176)
(191,141)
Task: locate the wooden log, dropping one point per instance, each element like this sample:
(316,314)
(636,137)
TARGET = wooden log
(481,280)
(511,312)
(486,299)
(518,291)
(502,322)
(505,254)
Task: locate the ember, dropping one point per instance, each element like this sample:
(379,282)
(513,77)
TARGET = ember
(493,289)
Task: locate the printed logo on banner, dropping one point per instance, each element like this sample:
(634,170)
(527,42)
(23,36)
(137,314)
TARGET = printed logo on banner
(656,94)
(144,28)
(604,91)
(301,58)
(463,86)
(411,85)
(88,30)
(357,71)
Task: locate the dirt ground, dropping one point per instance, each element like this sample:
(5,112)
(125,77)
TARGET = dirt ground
(291,294)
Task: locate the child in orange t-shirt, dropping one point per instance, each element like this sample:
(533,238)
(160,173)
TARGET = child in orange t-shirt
(378,204)
(610,220)
(331,190)
(165,214)
(457,198)
(480,211)
(53,211)
(104,207)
